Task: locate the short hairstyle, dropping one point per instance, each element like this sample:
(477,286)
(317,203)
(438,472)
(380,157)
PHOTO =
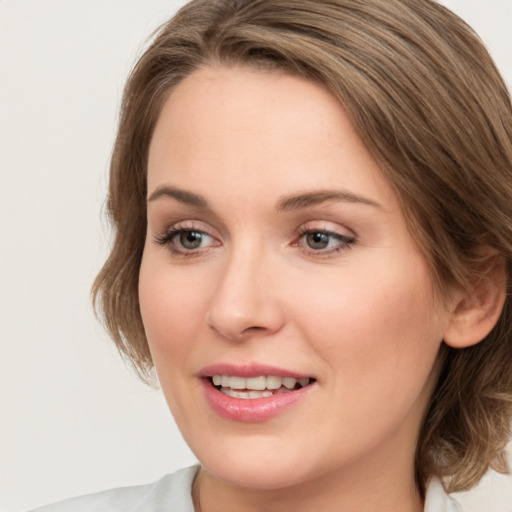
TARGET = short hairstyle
(428,102)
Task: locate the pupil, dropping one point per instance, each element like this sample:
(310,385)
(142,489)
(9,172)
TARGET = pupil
(190,239)
(317,240)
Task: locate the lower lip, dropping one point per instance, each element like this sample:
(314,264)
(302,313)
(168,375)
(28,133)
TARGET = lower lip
(251,410)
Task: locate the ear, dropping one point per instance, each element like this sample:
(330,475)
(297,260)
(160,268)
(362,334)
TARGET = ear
(476,311)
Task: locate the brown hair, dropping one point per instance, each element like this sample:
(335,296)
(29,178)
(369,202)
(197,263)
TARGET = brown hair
(428,102)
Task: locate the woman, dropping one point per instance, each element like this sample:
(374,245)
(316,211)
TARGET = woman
(312,204)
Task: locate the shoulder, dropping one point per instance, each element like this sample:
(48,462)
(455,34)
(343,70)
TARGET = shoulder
(437,500)
(172,493)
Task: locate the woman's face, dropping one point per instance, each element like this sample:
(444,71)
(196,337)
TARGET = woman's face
(291,316)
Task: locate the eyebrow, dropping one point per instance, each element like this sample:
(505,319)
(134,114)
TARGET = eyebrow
(183,196)
(300,201)
(285,204)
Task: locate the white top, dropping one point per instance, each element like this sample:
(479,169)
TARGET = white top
(173,493)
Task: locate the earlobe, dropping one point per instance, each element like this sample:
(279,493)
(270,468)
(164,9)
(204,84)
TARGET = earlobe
(477,311)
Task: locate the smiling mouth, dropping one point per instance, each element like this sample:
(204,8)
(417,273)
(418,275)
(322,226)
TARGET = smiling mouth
(257,387)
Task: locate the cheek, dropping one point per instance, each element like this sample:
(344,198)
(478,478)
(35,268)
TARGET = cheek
(379,328)
(171,306)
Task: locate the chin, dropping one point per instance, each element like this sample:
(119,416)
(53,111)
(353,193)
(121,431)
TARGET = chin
(263,475)
(260,462)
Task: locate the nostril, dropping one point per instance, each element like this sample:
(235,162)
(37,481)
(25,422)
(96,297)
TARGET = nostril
(255,328)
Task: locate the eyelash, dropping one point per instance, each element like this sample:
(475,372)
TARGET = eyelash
(173,232)
(167,238)
(345,242)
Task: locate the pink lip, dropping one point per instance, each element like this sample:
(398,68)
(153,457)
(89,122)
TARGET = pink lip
(248,370)
(250,410)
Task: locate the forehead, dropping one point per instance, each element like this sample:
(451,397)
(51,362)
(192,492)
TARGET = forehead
(251,128)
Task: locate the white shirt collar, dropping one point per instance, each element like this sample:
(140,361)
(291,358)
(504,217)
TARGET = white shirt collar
(437,500)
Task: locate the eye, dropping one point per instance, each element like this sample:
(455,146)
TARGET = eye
(186,241)
(324,242)
(318,240)
(191,239)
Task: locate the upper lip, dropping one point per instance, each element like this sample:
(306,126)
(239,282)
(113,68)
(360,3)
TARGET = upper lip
(249,370)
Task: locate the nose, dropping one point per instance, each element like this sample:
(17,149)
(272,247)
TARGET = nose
(244,303)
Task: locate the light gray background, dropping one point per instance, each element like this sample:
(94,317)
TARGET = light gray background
(73,418)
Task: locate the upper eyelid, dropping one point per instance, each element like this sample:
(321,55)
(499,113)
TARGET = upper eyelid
(177,228)
(192,225)
(327,226)
(320,225)
(327,232)
(172,213)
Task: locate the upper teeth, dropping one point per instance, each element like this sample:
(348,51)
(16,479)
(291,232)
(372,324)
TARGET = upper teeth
(258,383)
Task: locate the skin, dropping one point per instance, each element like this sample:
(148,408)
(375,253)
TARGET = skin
(361,317)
